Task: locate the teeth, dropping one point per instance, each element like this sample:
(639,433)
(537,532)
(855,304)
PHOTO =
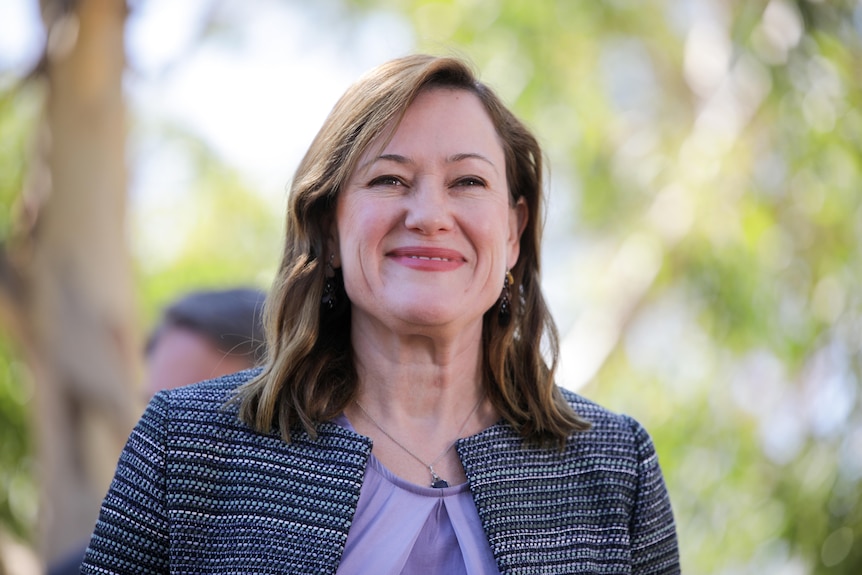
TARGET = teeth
(429,259)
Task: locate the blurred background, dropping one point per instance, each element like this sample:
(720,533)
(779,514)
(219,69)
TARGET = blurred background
(703,236)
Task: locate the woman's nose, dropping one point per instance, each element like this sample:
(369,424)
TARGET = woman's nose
(429,207)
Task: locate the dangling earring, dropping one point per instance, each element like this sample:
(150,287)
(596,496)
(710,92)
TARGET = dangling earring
(505,312)
(330,287)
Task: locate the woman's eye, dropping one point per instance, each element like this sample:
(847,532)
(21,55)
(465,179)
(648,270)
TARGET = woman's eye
(470,181)
(386,181)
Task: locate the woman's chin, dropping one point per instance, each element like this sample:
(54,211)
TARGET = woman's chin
(429,317)
(422,310)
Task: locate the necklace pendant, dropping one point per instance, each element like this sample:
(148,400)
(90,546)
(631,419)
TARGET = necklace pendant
(436,480)
(439,483)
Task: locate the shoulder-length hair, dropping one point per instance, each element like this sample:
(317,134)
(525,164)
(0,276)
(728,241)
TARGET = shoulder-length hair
(309,376)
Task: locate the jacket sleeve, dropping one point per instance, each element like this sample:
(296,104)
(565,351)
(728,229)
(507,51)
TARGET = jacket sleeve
(652,530)
(131,534)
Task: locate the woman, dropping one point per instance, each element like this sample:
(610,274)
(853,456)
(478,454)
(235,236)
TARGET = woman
(406,420)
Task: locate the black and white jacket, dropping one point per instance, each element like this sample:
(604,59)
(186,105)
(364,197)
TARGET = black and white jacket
(197,491)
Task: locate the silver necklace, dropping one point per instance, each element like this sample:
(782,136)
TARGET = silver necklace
(436,480)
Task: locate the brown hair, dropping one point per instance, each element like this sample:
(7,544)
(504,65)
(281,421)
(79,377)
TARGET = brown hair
(309,375)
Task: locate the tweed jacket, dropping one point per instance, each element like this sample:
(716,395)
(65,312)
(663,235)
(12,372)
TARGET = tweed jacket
(197,491)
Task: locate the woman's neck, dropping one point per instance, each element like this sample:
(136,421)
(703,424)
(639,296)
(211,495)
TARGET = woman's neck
(420,374)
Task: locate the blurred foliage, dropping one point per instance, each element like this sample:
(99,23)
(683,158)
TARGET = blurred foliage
(212,230)
(723,137)
(18,491)
(19,107)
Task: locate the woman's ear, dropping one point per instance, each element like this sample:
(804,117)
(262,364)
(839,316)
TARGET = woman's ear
(333,254)
(518,217)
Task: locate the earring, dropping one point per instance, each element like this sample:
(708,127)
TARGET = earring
(330,287)
(504,315)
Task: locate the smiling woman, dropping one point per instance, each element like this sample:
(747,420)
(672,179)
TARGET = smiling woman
(427,229)
(405,420)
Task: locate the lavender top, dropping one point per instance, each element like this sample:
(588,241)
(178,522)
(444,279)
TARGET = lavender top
(401,527)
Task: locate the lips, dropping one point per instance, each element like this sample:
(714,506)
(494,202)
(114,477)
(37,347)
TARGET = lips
(428,258)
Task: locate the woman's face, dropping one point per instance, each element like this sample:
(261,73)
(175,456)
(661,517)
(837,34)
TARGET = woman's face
(424,229)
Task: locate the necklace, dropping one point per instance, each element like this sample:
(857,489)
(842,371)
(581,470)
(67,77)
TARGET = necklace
(436,480)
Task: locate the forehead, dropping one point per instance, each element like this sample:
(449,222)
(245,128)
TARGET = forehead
(444,118)
(435,105)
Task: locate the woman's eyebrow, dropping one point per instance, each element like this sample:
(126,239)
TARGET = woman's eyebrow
(399,159)
(470,156)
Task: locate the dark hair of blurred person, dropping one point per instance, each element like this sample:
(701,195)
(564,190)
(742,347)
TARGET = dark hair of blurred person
(205,334)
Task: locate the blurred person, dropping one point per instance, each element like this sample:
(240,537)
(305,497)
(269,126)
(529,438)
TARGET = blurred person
(201,335)
(405,419)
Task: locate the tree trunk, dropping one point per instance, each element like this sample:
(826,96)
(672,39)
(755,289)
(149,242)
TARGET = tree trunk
(74,281)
